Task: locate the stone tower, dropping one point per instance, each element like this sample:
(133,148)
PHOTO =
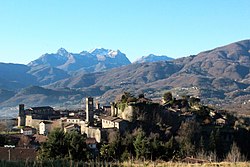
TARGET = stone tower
(21,116)
(97,105)
(89,110)
(113,110)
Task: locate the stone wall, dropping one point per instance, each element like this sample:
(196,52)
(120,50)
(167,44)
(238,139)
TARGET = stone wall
(92,132)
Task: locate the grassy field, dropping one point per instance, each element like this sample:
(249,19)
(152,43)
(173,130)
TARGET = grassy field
(173,164)
(125,164)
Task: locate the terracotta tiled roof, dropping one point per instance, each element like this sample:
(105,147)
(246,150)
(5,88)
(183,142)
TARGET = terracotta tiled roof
(15,154)
(27,128)
(71,125)
(91,141)
(40,138)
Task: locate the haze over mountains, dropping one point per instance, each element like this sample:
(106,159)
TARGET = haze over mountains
(219,76)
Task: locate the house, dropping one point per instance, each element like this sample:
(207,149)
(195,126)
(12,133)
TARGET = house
(72,127)
(44,127)
(113,122)
(92,132)
(74,120)
(34,115)
(220,121)
(28,131)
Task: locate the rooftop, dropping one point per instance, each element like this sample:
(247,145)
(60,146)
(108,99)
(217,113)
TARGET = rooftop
(41,108)
(91,141)
(17,153)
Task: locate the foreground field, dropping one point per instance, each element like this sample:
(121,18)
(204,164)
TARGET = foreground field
(65,163)
(155,164)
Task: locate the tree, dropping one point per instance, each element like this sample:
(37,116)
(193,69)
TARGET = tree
(188,135)
(167,97)
(234,154)
(24,141)
(212,142)
(55,147)
(171,148)
(194,101)
(141,145)
(64,146)
(154,145)
(3,126)
(77,148)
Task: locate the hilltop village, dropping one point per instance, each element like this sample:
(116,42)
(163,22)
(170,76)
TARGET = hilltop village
(94,121)
(130,127)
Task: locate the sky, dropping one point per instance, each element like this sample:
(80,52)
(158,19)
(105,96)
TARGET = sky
(176,28)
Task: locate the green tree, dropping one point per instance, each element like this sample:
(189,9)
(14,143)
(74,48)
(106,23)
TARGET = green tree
(64,146)
(154,145)
(141,145)
(113,149)
(55,147)
(167,97)
(77,148)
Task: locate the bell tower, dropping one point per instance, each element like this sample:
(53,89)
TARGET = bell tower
(21,116)
(89,110)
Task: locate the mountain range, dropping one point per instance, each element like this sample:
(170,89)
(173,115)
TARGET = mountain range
(153,58)
(220,77)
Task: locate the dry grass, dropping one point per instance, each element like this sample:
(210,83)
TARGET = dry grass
(173,164)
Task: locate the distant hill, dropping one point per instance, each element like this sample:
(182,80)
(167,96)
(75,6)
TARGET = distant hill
(219,76)
(15,76)
(5,95)
(37,96)
(153,58)
(46,74)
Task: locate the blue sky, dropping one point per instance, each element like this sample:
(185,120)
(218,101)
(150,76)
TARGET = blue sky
(175,28)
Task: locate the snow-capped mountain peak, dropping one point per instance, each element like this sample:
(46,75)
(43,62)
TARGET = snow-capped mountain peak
(153,58)
(62,52)
(99,51)
(95,60)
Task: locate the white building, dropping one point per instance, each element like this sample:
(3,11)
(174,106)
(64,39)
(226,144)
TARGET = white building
(72,127)
(28,131)
(44,127)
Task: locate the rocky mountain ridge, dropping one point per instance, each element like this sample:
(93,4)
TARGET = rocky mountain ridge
(219,77)
(153,58)
(93,61)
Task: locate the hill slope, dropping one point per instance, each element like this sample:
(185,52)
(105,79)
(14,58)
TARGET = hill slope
(219,76)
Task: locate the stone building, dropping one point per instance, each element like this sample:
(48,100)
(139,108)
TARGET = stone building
(34,115)
(114,122)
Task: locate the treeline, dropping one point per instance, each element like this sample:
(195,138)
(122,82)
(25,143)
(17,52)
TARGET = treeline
(139,145)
